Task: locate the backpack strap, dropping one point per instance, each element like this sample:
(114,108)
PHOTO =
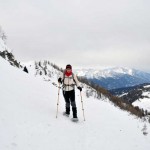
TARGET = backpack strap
(74,79)
(63,77)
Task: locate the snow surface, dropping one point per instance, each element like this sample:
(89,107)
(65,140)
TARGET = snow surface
(147,86)
(144,102)
(52,74)
(28,122)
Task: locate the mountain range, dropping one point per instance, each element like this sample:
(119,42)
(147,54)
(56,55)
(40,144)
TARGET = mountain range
(115,78)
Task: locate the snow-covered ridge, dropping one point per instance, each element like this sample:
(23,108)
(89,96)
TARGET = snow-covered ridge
(42,69)
(109,72)
(115,78)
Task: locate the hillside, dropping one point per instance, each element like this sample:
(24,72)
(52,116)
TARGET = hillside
(27,119)
(137,95)
(144,99)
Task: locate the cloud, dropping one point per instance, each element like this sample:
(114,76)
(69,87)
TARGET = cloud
(81,32)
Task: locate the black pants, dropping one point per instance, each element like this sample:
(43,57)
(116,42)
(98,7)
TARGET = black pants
(69,97)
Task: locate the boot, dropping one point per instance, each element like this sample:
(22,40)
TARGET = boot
(74,110)
(75,118)
(68,110)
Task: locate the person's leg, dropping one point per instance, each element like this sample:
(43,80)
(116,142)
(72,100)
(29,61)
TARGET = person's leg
(66,97)
(73,103)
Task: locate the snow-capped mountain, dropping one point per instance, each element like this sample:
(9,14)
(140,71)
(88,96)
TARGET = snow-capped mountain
(105,73)
(115,78)
(28,118)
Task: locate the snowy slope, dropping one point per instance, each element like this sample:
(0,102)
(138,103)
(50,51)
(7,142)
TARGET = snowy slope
(137,95)
(27,119)
(144,102)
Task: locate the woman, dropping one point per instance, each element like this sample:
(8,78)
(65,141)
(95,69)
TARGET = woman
(69,80)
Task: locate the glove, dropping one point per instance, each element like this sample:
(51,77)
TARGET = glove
(80,88)
(59,80)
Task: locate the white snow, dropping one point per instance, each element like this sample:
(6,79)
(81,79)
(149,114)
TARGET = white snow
(123,94)
(52,74)
(143,102)
(147,86)
(28,122)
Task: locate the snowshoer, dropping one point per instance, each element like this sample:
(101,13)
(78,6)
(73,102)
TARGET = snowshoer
(69,80)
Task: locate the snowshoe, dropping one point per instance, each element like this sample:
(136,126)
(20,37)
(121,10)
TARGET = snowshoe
(75,119)
(64,113)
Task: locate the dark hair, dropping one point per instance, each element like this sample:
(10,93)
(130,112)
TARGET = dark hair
(68,66)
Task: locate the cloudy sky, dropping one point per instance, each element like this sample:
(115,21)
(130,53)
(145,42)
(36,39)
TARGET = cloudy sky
(85,33)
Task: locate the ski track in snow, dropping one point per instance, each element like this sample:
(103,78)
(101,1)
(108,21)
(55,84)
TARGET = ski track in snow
(28,119)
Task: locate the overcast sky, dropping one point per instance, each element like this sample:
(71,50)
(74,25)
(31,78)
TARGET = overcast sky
(80,32)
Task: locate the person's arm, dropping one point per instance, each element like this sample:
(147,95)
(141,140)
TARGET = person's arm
(77,83)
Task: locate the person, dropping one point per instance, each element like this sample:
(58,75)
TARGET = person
(25,69)
(68,81)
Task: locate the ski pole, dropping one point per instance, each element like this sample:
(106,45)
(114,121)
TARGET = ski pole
(82,106)
(58,100)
